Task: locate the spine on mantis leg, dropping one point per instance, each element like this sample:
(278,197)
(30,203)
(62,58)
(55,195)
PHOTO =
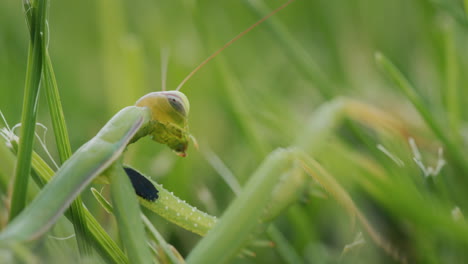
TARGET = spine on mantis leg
(88,162)
(159,200)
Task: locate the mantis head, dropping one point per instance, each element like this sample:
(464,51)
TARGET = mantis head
(169,110)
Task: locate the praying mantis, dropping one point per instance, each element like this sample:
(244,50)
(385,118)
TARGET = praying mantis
(163,116)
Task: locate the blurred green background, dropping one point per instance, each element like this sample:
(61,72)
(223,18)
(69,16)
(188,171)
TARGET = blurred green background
(255,97)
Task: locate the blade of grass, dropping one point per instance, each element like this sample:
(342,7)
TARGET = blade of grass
(29,112)
(127,213)
(61,134)
(63,143)
(410,92)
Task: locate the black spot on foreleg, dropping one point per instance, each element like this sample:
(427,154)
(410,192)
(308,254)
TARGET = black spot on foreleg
(143,187)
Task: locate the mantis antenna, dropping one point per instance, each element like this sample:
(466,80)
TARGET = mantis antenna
(212,56)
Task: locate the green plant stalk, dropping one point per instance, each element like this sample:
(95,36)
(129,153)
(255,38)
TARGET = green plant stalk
(63,143)
(29,112)
(56,110)
(243,215)
(127,213)
(53,98)
(408,90)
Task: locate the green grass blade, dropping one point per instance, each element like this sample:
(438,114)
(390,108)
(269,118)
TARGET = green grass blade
(55,109)
(102,201)
(61,137)
(239,220)
(30,105)
(409,91)
(127,213)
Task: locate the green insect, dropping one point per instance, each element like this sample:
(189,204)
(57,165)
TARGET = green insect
(163,116)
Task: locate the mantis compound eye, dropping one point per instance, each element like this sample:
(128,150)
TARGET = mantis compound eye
(177,103)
